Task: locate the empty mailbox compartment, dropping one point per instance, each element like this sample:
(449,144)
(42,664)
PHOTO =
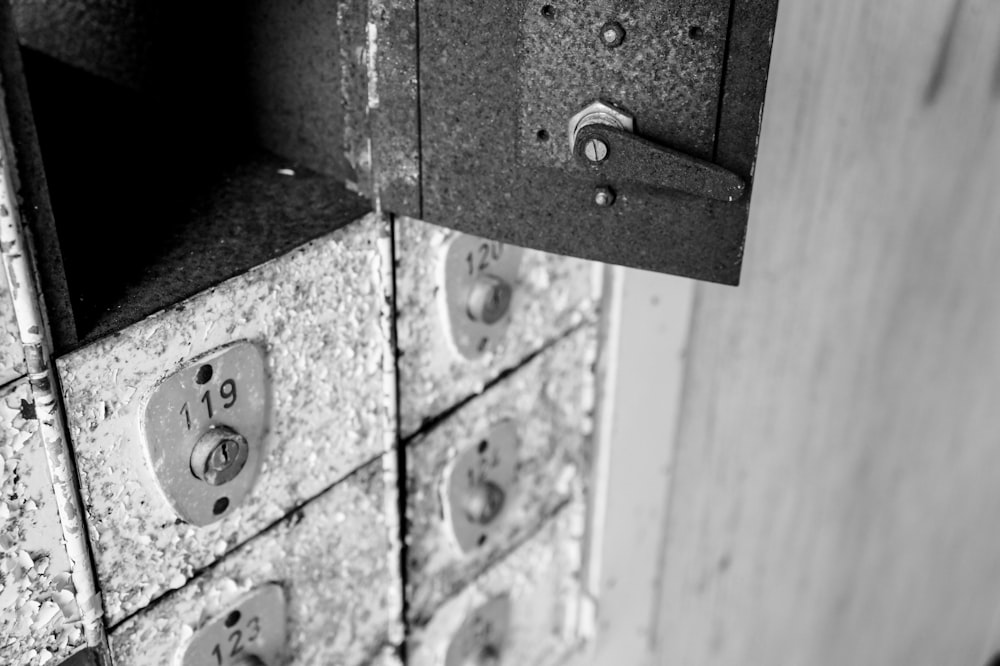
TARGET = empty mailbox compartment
(209,138)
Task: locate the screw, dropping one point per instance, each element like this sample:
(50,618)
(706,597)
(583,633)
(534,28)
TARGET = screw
(595,150)
(489,299)
(612,34)
(604,197)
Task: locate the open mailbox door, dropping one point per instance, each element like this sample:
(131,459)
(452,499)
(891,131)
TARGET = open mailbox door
(622,132)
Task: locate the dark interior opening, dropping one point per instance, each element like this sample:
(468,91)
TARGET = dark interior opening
(223,150)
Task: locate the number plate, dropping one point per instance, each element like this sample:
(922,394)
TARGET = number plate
(252,628)
(481,638)
(466,260)
(226,387)
(493,460)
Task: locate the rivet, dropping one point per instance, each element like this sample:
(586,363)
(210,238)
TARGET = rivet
(612,34)
(604,197)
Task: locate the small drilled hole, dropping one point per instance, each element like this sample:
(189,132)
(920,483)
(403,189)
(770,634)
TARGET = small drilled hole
(483,445)
(994,661)
(232,618)
(220,505)
(204,374)
(695,32)
(542,135)
(481,540)
(548,11)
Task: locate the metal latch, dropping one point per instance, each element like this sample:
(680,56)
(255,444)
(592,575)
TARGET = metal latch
(603,141)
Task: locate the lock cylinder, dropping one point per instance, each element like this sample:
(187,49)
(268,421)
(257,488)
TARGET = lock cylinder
(483,502)
(219,455)
(489,299)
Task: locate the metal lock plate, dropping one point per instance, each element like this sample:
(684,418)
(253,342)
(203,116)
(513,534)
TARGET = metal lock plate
(479,280)
(480,485)
(204,427)
(481,639)
(249,633)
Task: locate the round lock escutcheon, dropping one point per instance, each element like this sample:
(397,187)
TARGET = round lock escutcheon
(219,455)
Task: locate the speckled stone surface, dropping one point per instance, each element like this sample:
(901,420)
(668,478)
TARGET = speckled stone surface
(542,578)
(39,616)
(550,400)
(320,314)
(11,353)
(333,559)
(553,294)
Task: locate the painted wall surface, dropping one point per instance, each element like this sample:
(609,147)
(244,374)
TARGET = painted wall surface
(553,294)
(322,316)
(549,400)
(39,616)
(11,354)
(334,559)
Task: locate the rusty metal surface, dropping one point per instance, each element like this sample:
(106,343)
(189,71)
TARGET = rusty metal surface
(541,578)
(393,104)
(331,557)
(551,296)
(549,400)
(109,38)
(499,84)
(276,62)
(39,614)
(319,313)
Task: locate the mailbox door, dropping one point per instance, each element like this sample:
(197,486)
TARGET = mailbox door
(499,86)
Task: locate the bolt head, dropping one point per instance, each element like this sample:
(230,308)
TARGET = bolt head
(612,34)
(598,112)
(604,196)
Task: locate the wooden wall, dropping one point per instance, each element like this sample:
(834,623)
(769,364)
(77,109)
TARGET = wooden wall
(835,489)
